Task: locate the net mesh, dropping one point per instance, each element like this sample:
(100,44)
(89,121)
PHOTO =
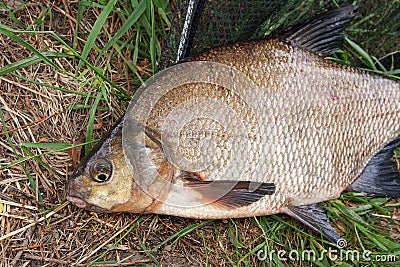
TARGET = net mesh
(202,24)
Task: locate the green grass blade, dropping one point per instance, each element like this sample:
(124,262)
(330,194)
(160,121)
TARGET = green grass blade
(81,9)
(132,19)
(181,233)
(74,53)
(394,72)
(47,145)
(104,92)
(92,115)
(33,184)
(32,181)
(50,86)
(26,62)
(205,249)
(83,106)
(95,32)
(130,65)
(37,158)
(96,70)
(29,61)
(162,7)
(153,39)
(148,253)
(13,11)
(364,55)
(5,130)
(25,158)
(5,30)
(136,47)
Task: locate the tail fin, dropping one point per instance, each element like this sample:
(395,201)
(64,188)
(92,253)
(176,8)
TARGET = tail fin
(381,176)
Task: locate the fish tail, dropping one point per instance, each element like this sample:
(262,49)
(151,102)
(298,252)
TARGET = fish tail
(381,176)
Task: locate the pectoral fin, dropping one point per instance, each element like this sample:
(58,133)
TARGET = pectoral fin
(154,136)
(229,194)
(314,217)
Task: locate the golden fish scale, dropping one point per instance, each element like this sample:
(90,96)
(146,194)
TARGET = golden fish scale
(312,133)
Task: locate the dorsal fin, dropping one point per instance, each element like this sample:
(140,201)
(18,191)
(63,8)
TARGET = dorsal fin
(321,35)
(381,176)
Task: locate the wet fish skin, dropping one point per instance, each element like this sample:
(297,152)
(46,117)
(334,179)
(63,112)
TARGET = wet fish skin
(316,127)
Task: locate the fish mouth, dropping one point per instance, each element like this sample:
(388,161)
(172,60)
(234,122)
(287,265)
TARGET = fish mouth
(80,203)
(75,197)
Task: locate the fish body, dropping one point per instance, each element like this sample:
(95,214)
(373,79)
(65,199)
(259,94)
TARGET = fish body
(258,128)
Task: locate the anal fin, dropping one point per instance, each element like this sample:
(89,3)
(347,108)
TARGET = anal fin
(381,176)
(228,193)
(314,217)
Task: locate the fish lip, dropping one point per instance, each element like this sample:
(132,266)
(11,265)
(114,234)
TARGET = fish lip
(75,197)
(77,201)
(80,203)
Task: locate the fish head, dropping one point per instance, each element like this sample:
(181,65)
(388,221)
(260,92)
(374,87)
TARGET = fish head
(102,181)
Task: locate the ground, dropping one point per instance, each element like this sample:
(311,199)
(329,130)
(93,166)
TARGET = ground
(48,106)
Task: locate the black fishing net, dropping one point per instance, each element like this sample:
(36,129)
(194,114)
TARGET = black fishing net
(202,24)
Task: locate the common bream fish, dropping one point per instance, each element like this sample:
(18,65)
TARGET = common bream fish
(250,129)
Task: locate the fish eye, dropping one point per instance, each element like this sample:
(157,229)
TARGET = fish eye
(101,177)
(101,170)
